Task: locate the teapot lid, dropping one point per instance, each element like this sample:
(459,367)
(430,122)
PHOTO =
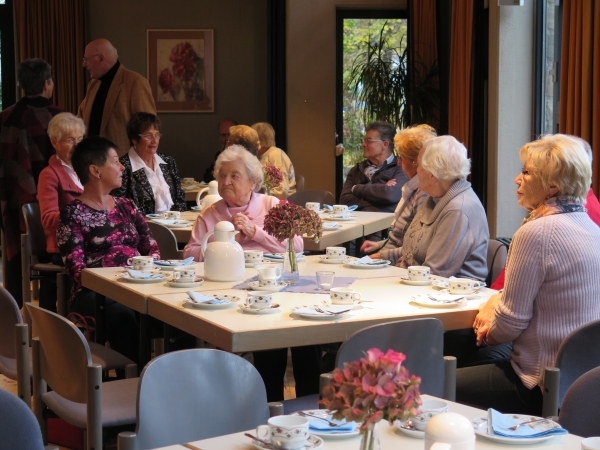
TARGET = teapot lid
(449,427)
(224,226)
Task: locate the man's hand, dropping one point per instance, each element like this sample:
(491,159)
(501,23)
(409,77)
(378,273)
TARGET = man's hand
(391,182)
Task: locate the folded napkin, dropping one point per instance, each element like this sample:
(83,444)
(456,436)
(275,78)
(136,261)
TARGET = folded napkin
(366,260)
(197,297)
(174,263)
(323,427)
(501,423)
(310,310)
(154,216)
(330,208)
(142,275)
(280,256)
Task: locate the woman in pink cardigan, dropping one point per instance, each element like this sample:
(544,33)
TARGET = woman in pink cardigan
(58,186)
(240,175)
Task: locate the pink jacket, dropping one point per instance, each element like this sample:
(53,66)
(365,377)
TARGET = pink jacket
(258,208)
(56,189)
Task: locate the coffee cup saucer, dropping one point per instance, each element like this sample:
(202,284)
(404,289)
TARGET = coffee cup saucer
(411,431)
(325,260)
(249,310)
(197,282)
(255,286)
(354,305)
(314,443)
(409,282)
(469,296)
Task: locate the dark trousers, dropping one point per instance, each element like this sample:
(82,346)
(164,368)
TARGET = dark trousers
(497,386)
(48,283)
(121,327)
(306,362)
(463,345)
(14,278)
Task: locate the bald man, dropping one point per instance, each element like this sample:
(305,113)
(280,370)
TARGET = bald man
(113,95)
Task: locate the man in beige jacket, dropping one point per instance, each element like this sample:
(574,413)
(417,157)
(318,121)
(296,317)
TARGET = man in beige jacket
(113,95)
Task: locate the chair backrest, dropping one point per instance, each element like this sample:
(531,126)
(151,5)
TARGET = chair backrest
(35,230)
(197,394)
(421,340)
(299,183)
(311,195)
(18,428)
(580,403)
(496,259)
(166,240)
(64,354)
(578,354)
(9,317)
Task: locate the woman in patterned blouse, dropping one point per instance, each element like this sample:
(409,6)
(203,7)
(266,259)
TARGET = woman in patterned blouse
(98,230)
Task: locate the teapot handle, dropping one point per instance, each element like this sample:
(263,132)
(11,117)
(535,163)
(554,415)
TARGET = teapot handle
(199,196)
(205,240)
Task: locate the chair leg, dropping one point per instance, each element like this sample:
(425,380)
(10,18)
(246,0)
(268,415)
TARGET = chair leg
(23,362)
(551,387)
(94,407)
(127,440)
(26,268)
(39,388)
(275,409)
(450,378)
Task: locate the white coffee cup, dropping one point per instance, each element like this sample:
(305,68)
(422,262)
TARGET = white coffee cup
(269,271)
(141,262)
(336,252)
(172,215)
(313,206)
(343,296)
(253,256)
(450,428)
(340,209)
(259,299)
(184,274)
(591,443)
(419,273)
(285,432)
(463,285)
(429,408)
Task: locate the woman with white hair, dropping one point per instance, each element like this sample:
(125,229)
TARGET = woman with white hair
(239,176)
(270,155)
(449,232)
(551,283)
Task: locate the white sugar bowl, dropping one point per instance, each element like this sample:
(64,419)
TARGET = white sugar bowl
(450,428)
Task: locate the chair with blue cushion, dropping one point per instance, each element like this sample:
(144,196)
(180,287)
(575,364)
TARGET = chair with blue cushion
(580,406)
(18,427)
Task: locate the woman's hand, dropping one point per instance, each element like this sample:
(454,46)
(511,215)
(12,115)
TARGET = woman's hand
(369,246)
(483,320)
(243,224)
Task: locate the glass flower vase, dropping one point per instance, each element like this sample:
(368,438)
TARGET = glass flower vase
(290,264)
(268,190)
(370,439)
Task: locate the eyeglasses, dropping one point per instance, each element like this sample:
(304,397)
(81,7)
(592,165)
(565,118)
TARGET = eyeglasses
(86,58)
(150,136)
(369,140)
(73,141)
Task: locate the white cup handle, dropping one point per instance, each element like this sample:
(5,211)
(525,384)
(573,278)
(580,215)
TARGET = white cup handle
(356,296)
(278,271)
(129,261)
(267,432)
(177,275)
(249,301)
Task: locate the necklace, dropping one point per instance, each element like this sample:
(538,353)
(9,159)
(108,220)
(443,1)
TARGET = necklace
(104,209)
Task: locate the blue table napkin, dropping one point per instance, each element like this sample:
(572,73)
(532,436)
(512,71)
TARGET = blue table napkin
(330,208)
(501,423)
(197,297)
(173,263)
(154,216)
(323,427)
(280,256)
(142,275)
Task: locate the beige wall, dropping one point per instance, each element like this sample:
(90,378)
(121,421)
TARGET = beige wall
(240,64)
(311,84)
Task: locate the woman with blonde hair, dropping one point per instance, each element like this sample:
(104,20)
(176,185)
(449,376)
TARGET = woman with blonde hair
(270,155)
(245,136)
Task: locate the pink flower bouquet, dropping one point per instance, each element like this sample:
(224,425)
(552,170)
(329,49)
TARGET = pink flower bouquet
(273,177)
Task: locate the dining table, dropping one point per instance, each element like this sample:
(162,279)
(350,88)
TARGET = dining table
(391,437)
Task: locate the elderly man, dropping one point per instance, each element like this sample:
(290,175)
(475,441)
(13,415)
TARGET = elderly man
(224,126)
(24,151)
(375,184)
(113,95)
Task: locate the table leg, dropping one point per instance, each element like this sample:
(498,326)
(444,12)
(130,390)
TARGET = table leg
(145,341)
(100,316)
(168,335)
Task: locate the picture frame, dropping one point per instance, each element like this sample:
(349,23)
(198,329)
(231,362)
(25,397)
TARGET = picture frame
(181,70)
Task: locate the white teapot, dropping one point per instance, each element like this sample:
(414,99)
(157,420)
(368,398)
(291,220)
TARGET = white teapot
(223,257)
(210,198)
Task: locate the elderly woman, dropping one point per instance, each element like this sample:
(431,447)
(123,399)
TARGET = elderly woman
(245,136)
(150,178)
(270,155)
(408,143)
(239,176)
(551,279)
(449,233)
(98,230)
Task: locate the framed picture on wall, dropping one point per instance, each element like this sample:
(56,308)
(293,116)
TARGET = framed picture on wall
(181,70)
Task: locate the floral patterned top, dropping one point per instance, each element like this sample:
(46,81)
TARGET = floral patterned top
(90,238)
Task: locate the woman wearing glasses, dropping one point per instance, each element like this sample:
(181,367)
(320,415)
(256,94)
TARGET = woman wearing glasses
(150,178)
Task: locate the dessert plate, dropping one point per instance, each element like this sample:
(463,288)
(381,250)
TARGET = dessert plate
(126,277)
(231,301)
(314,443)
(176,284)
(309,312)
(423,300)
(480,425)
(329,433)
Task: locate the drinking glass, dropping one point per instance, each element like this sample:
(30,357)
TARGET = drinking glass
(325,280)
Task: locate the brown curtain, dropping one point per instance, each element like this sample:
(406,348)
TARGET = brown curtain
(459,101)
(55,30)
(423,38)
(580,75)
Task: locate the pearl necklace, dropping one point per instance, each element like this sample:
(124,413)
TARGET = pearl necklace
(103,209)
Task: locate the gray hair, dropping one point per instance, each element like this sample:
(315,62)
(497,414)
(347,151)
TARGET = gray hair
(63,123)
(266,134)
(386,131)
(445,158)
(237,152)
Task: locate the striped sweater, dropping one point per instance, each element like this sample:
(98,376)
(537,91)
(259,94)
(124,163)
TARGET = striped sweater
(552,287)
